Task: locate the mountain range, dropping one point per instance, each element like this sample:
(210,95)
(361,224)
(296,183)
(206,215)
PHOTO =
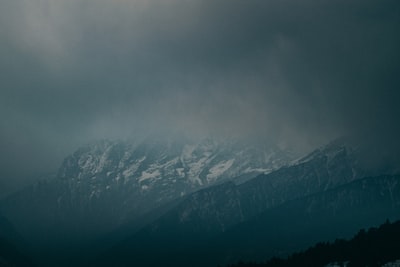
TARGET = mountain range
(108,185)
(319,197)
(174,202)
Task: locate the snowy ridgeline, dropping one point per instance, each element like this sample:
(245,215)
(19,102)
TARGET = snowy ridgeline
(188,166)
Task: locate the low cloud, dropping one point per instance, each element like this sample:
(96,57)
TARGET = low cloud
(277,71)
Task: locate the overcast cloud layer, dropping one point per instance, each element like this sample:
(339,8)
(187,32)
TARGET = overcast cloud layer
(288,71)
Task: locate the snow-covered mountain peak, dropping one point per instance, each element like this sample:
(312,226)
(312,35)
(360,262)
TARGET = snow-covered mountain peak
(200,163)
(156,171)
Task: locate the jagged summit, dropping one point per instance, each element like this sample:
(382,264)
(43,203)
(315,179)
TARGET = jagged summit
(193,164)
(107,183)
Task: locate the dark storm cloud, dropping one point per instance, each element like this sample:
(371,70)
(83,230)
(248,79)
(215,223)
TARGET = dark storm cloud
(297,72)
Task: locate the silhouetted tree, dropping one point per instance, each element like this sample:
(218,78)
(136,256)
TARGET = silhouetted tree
(374,247)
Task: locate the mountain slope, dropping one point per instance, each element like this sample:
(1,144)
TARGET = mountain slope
(10,254)
(278,231)
(217,208)
(109,183)
(337,213)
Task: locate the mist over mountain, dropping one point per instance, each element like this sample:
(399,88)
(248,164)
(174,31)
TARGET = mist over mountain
(166,125)
(298,74)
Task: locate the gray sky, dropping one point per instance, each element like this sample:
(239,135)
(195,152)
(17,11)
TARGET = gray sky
(288,71)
